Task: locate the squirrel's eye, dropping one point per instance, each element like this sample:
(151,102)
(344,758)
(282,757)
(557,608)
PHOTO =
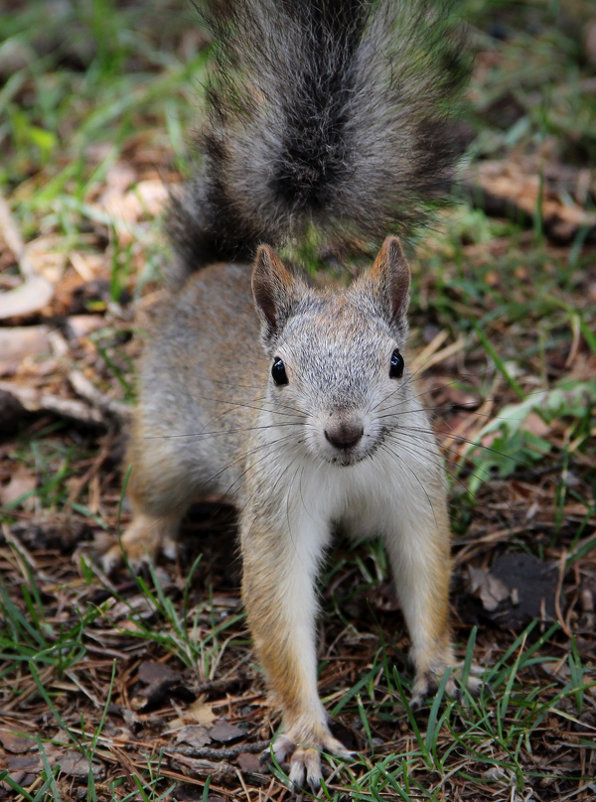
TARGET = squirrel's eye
(396,368)
(278,372)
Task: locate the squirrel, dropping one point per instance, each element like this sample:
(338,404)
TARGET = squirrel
(292,401)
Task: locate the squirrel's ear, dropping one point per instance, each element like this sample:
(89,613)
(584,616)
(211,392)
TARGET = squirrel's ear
(389,280)
(273,290)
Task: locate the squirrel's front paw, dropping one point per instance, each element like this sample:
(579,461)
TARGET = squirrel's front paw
(428,681)
(143,540)
(302,747)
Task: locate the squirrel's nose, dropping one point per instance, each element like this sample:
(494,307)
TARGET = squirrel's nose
(344,434)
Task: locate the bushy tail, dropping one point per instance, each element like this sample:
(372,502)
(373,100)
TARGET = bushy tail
(334,112)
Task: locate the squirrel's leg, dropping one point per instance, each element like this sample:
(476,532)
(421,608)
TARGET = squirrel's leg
(419,551)
(280,563)
(160,491)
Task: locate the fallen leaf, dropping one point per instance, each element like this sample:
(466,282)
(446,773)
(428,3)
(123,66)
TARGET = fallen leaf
(249,762)
(534,424)
(79,326)
(201,711)
(194,735)
(19,342)
(151,672)
(24,768)
(35,293)
(34,400)
(490,591)
(16,742)
(22,481)
(223,732)
(73,763)
(162,682)
(514,187)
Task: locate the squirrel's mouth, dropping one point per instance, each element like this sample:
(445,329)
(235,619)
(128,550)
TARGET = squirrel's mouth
(346,457)
(344,460)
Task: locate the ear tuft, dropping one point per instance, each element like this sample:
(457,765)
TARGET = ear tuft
(273,289)
(390,279)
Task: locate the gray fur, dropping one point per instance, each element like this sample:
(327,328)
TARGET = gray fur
(334,112)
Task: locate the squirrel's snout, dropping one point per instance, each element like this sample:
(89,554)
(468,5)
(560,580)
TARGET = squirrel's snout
(344,434)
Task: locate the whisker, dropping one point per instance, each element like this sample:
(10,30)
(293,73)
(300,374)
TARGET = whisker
(246,405)
(221,432)
(408,397)
(250,404)
(413,430)
(384,447)
(438,408)
(278,444)
(437,461)
(288,495)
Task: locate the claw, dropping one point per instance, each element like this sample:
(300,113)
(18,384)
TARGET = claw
(425,683)
(143,540)
(282,747)
(305,765)
(109,561)
(335,747)
(305,756)
(114,558)
(474,685)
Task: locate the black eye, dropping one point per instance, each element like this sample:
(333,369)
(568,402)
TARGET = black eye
(278,371)
(396,369)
